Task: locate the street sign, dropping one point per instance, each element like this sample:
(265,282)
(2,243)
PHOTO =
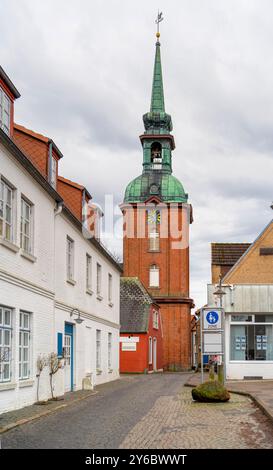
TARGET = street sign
(213,343)
(212,319)
(212,334)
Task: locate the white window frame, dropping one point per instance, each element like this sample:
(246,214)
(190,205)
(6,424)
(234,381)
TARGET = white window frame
(7,207)
(24,223)
(5,343)
(88,272)
(70,249)
(98,349)
(99,278)
(154,276)
(110,343)
(110,287)
(24,345)
(5,111)
(150,350)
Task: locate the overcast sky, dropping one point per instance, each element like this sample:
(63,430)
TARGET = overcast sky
(84,70)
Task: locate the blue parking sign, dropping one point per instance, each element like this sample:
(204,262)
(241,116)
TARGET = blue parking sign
(212,317)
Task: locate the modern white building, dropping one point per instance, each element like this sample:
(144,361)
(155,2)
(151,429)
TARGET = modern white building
(59,291)
(248,330)
(247,278)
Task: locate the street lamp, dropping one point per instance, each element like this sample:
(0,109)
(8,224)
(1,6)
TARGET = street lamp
(219,293)
(75,311)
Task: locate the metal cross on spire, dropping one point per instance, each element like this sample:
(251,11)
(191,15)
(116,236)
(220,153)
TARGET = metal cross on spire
(158,20)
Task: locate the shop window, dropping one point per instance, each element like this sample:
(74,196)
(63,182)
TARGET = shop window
(251,342)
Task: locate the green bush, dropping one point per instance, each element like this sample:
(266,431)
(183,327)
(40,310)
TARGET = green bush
(211,391)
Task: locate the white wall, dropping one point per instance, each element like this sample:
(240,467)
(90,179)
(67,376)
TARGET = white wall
(96,312)
(40,287)
(27,285)
(76,294)
(41,271)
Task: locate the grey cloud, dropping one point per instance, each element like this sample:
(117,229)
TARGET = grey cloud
(85,69)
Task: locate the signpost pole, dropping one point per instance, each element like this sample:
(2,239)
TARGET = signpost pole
(224,344)
(201,344)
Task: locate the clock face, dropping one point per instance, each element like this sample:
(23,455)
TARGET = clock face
(153,216)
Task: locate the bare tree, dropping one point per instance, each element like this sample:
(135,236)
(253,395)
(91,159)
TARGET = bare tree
(4,357)
(54,364)
(41,363)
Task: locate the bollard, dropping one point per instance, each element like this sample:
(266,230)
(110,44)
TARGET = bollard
(221,373)
(211,372)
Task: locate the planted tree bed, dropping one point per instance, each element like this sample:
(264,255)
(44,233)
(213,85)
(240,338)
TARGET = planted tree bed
(210,392)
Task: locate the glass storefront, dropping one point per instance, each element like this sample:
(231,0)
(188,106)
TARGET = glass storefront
(251,338)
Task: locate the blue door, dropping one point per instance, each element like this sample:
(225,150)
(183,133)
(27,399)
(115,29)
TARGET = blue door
(68,356)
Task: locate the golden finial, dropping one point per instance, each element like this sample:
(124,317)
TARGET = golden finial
(158,20)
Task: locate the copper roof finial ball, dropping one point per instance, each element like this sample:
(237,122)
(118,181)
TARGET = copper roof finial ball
(158,20)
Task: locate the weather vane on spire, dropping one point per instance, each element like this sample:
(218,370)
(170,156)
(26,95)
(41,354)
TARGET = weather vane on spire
(158,20)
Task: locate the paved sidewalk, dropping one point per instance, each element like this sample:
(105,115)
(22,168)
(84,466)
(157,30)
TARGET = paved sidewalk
(24,415)
(176,422)
(261,391)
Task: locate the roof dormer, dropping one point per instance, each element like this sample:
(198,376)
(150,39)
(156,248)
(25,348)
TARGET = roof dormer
(41,150)
(8,93)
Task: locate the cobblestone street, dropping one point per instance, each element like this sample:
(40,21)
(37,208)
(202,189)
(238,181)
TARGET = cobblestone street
(147,411)
(177,422)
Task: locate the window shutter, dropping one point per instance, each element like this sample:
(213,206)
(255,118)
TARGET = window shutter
(60,344)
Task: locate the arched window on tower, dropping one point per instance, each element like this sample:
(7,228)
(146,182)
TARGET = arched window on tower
(156,156)
(154,276)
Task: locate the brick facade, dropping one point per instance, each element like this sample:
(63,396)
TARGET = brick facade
(255,267)
(173,293)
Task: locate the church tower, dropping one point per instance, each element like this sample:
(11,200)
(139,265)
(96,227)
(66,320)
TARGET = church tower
(156,218)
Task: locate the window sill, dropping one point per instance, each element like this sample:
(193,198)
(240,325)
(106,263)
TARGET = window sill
(99,372)
(11,246)
(89,292)
(7,386)
(71,281)
(28,256)
(111,304)
(26,383)
(257,361)
(154,287)
(99,297)
(154,251)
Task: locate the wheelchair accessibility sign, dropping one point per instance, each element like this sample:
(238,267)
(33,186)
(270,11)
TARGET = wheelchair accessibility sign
(212,319)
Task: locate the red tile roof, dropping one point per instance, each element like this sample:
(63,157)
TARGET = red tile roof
(227,253)
(74,185)
(37,136)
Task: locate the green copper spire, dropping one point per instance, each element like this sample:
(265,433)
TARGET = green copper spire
(157,143)
(157,101)
(157,121)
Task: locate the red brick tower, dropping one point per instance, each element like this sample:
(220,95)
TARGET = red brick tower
(156,229)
